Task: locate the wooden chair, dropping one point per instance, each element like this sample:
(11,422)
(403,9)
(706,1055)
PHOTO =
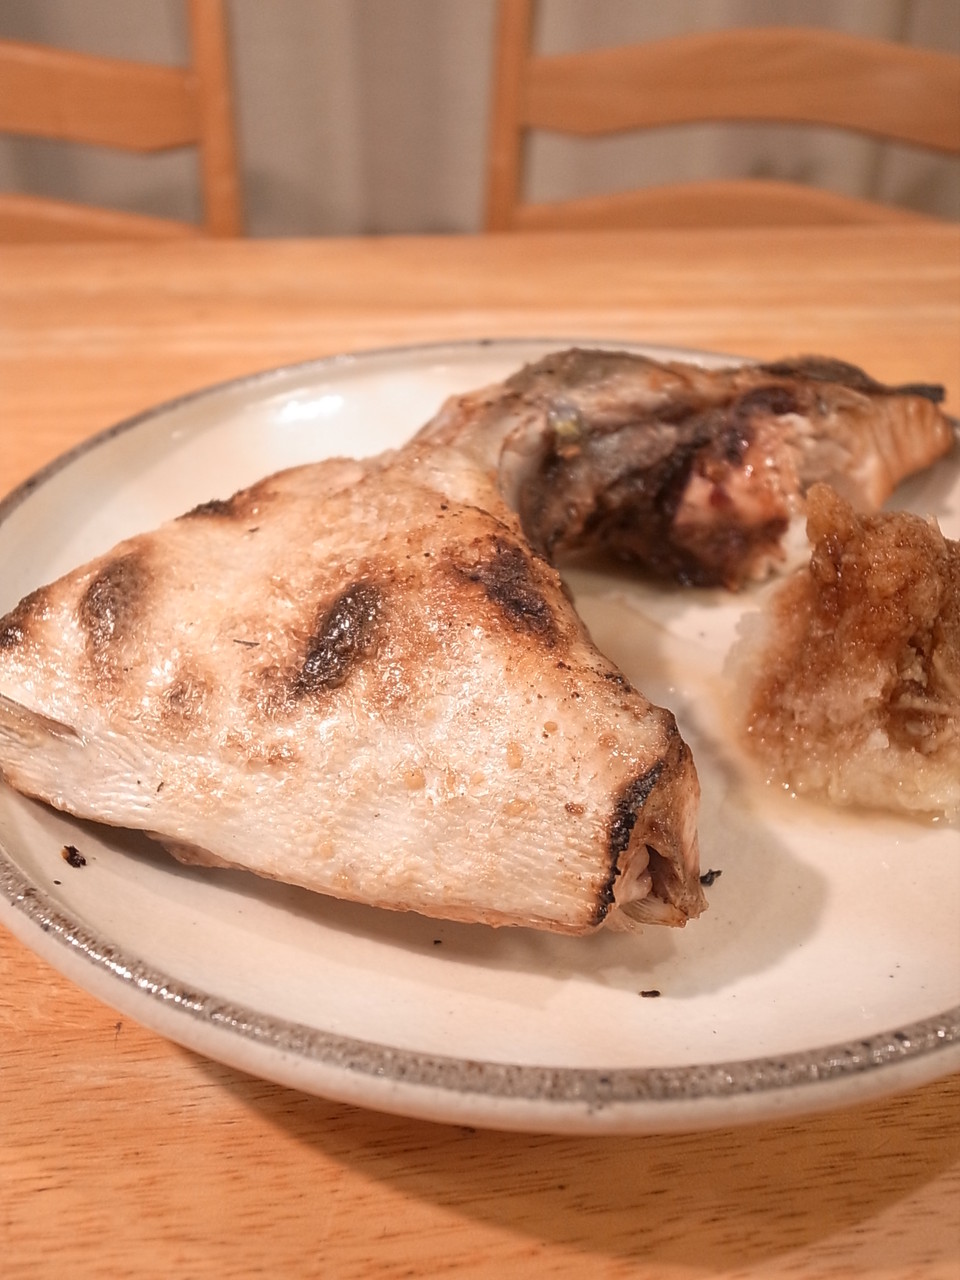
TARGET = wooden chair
(775,74)
(131,106)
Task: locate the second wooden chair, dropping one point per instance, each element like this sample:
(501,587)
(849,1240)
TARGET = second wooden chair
(785,75)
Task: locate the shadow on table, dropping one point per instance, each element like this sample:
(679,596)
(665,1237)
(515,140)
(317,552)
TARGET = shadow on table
(734,1198)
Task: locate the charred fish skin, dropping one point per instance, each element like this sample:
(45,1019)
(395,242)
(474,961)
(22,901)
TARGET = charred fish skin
(842,373)
(693,474)
(383,694)
(366,678)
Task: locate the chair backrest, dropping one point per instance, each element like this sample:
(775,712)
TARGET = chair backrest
(130,106)
(773,74)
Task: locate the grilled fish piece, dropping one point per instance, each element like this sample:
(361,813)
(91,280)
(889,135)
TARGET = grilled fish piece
(365,678)
(357,677)
(693,473)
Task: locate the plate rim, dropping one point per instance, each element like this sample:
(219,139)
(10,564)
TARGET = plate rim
(928,1048)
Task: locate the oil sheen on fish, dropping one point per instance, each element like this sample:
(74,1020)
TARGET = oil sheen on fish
(360,679)
(693,473)
(366,678)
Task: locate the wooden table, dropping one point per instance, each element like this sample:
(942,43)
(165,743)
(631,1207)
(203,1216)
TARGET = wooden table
(123,1155)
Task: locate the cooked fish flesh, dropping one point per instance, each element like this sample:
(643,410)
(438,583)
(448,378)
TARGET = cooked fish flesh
(359,678)
(851,679)
(365,677)
(693,473)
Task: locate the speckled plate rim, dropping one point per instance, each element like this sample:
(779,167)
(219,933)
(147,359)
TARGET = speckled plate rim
(448,1088)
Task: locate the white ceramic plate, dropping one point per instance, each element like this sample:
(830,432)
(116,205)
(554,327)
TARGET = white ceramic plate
(827,969)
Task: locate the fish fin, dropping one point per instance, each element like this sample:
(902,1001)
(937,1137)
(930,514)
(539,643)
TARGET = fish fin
(30,727)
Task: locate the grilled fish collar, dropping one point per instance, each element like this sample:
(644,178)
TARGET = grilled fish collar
(366,678)
(376,690)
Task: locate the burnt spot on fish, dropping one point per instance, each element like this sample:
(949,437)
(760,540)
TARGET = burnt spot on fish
(606,895)
(505,573)
(182,701)
(243,505)
(112,604)
(214,507)
(11,631)
(619,679)
(15,625)
(345,634)
(824,369)
(627,809)
(774,400)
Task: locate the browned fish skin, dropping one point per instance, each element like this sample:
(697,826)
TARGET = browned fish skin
(366,677)
(350,679)
(692,473)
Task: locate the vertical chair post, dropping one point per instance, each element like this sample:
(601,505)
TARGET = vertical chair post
(505,149)
(222,214)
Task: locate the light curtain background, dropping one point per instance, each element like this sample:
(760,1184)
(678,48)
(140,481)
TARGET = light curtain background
(370,116)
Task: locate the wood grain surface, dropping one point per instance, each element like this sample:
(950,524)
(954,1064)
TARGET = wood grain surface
(123,1155)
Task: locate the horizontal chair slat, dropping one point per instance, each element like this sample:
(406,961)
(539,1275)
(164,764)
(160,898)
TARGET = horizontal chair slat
(784,74)
(57,94)
(35,218)
(733,203)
